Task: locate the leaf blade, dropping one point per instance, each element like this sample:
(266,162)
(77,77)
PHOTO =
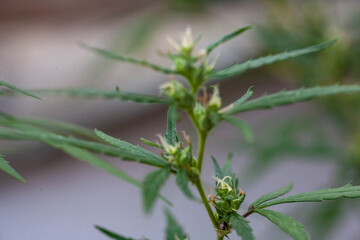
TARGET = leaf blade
(46,124)
(171,132)
(241,226)
(218,170)
(183,184)
(5,166)
(242,126)
(111,234)
(346,191)
(173,229)
(104,94)
(132,152)
(272,195)
(259,62)
(95,161)
(290,97)
(285,223)
(152,185)
(114,56)
(16,89)
(226,38)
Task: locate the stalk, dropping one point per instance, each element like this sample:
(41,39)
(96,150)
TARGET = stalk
(204,199)
(202,141)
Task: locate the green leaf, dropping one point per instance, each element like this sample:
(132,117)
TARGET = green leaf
(245,97)
(218,171)
(132,152)
(44,136)
(112,234)
(13,87)
(95,161)
(226,38)
(171,133)
(152,185)
(259,62)
(114,56)
(46,124)
(4,165)
(347,191)
(272,195)
(290,97)
(227,168)
(173,230)
(150,143)
(242,126)
(104,94)
(285,223)
(241,227)
(182,182)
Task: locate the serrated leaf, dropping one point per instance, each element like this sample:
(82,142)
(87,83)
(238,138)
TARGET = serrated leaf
(173,230)
(183,183)
(227,168)
(259,62)
(226,38)
(104,94)
(4,165)
(27,134)
(111,234)
(70,144)
(152,185)
(95,161)
(114,56)
(128,154)
(132,152)
(218,171)
(46,124)
(171,133)
(242,126)
(290,97)
(241,226)
(272,195)
(347,191)
(44,136)
(15,88)
(285,223)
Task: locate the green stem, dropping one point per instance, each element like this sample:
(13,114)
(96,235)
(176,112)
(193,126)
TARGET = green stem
(220,237)
(202,141)
(205,201)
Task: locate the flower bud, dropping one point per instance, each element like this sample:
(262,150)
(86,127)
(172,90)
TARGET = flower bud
(176,91)
(215,100)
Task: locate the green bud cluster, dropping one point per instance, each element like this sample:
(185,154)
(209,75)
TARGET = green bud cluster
(228,198)
(207,113)
(189,63)
(178,155)
(178,93)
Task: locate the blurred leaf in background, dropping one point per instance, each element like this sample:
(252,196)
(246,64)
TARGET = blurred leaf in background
(289,25)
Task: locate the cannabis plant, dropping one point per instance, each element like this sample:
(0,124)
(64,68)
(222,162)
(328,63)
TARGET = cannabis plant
(186,91)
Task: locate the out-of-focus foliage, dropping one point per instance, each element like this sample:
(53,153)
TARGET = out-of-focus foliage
(315,21)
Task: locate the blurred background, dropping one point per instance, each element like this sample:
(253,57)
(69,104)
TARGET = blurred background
(314,144)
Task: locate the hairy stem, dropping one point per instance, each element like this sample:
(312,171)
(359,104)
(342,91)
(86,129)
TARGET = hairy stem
(205,201)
